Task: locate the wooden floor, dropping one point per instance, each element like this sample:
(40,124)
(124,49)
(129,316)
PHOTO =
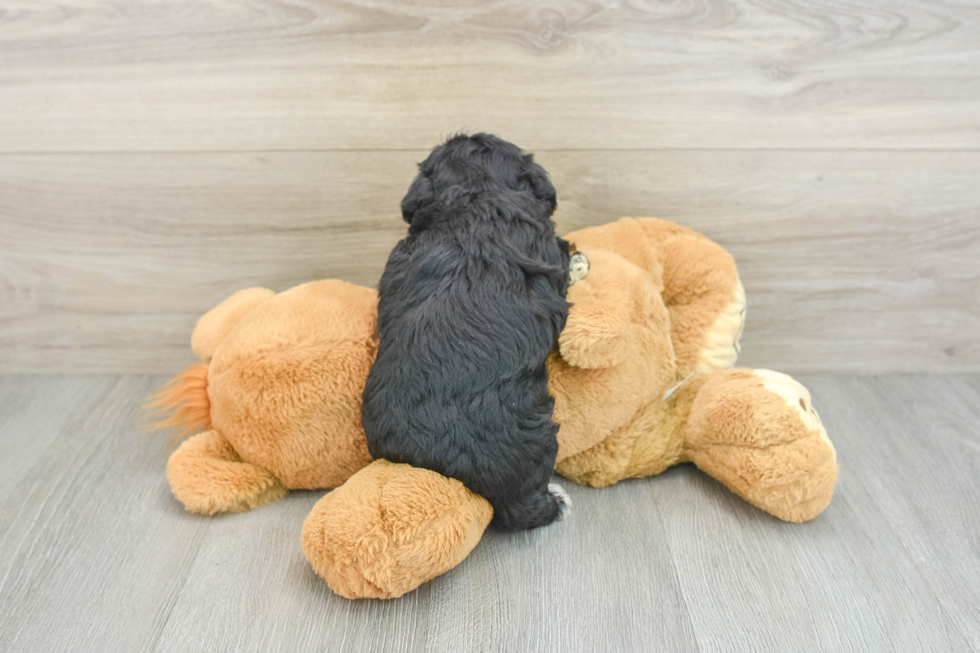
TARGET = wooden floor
(95,554)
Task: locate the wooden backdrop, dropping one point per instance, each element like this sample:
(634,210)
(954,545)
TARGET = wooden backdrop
(157,155)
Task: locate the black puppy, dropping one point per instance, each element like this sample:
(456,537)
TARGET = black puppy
(471,301)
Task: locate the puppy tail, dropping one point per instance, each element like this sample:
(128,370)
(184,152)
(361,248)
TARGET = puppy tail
(183,402)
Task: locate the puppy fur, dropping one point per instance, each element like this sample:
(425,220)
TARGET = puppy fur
(471,302)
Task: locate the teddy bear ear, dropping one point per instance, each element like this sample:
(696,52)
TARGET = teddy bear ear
(595,335)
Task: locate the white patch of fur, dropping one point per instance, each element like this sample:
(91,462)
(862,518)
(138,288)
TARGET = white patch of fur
(558,491)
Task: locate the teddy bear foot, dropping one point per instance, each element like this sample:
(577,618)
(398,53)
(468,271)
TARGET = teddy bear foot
(757,432)
(390,528)
(796,397)
(208,477)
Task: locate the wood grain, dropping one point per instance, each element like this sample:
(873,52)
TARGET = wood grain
(931,439)
(851,260)
(89,75)
(95,555)
(883,581)
(157,156)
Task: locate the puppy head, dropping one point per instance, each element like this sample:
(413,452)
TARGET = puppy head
(466,167)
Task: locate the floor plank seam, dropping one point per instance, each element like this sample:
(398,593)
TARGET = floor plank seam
(188,567)
(677,578)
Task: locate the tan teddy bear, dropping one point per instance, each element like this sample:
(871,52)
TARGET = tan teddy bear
(640,380)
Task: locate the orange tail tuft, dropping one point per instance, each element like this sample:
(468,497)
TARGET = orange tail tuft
(185,397)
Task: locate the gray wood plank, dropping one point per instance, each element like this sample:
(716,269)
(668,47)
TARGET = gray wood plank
(516,592)
(369,74)
(34,411)
(95,555)
(94,551)
(851,260)
(923,447)
(891,565)
(840,583)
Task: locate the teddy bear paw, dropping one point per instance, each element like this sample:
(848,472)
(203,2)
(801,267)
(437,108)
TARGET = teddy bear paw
(564,501)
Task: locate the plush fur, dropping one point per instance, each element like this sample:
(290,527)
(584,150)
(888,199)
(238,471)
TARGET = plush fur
(397,543)
(470,304)
(208,476)
(281,386)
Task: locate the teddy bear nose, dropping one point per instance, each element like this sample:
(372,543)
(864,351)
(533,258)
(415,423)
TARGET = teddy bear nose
(578,267)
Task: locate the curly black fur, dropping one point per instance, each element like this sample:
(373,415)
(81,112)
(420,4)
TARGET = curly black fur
(471,301)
